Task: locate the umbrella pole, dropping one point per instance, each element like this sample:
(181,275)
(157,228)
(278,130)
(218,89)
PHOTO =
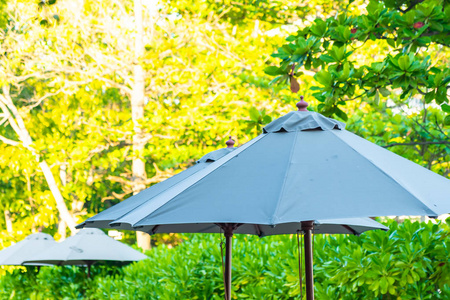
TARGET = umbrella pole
(228,250)
(307,227)
(89,270)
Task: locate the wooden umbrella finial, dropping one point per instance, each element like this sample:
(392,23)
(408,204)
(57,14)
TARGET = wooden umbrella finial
(302,104)
(230,143)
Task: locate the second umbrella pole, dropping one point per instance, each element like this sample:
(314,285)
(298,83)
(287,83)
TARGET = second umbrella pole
(89,264)
(228,258)
(307,227)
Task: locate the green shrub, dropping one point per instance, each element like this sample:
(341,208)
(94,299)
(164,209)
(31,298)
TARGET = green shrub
(410,261)
(55,282)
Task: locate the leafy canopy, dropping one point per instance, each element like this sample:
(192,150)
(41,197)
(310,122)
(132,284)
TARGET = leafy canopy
(410,36)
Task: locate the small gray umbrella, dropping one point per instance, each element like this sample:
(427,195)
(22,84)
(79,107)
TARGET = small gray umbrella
(85,248)
(304,167)
(17,254)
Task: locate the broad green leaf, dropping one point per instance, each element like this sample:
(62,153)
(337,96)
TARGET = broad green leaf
(319,27)
(385,92)
(429,96)
(403,62)
(391,42)
(327,58)
(273,71)
(324,78)
(376,99)
(341,114)
(445,107)
(254,114)
(276,80)
(438,79)
(301,42)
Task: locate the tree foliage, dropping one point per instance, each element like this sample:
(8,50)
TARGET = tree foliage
(411,38)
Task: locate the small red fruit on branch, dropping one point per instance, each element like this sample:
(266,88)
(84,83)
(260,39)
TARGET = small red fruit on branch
(418,25)
(354,30)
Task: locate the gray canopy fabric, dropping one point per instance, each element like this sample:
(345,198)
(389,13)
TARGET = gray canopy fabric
(296,173)
(86,247)
(17,254)
(102,220)
(105,217)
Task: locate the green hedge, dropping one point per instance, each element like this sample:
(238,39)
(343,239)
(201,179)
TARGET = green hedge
(411,261)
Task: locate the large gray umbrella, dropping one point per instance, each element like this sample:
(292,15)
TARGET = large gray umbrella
(104,218)
(303,167)
(85,248)
(347,226)
(17,254)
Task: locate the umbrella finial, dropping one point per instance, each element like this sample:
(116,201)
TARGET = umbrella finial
(302,105)
(230,143)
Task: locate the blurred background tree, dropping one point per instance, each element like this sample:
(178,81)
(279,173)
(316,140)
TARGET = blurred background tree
(68,74)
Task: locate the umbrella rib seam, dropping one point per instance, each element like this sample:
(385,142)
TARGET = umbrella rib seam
(280,197)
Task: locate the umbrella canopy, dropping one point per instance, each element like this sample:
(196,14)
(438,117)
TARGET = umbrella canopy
(303,167)
(104,218)
(85,248)
(17,254)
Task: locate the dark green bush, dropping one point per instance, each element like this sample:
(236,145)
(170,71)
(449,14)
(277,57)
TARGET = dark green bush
(411,261)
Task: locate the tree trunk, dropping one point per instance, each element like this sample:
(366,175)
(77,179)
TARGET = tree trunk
(62,227)
(30,193)
(8,221)
(137,113)
(64,213)
(18,125)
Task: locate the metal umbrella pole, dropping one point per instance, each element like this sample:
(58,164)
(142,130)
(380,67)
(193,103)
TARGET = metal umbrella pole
(307,227)
(228,229)
(228,251)
(89,264)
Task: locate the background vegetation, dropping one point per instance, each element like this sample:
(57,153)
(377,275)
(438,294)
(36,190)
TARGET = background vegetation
(97,103)
(408,262)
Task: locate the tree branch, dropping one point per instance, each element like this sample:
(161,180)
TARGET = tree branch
(417,144)
(8,141)
(106,147)
(9,116)
(411,6)
(39,101)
